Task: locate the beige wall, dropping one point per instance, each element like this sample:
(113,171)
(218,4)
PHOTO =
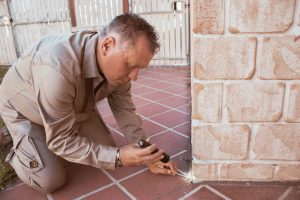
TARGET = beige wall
(245,90)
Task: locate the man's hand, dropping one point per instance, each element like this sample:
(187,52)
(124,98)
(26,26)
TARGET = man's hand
(132,155)
(163,168)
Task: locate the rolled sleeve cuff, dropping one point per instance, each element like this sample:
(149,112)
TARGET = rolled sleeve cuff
(107,158)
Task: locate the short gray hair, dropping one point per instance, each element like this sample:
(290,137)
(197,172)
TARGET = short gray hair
(129,27)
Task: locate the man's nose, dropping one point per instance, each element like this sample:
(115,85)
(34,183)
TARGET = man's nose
(134,74)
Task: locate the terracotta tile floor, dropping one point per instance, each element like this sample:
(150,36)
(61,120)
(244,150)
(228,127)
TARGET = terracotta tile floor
(162,98)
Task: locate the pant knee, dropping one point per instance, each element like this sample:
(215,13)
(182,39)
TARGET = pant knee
(51,183)
(46,180)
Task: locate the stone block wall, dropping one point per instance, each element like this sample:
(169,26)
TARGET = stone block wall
(245,90)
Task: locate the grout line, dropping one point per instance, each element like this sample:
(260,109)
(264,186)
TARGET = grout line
(170,109)
(164,81)
(191,193)
(94,191)
(286,193)
(184,105)
(165,127)
(159,90)
(116,130)
(180,125)
(151,102)
(179,153)
(133,174)
(169,129)
(119,185)
(217,192)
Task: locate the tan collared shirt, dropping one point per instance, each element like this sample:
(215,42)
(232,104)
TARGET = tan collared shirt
(55,83)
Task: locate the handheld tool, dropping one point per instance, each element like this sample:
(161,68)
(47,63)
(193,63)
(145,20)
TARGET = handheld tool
(143,144)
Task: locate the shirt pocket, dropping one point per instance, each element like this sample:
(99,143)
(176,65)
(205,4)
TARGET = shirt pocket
(27,153)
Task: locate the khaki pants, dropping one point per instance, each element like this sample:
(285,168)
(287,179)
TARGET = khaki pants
(33,162)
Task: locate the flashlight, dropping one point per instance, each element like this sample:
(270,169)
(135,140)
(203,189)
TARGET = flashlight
(143,144)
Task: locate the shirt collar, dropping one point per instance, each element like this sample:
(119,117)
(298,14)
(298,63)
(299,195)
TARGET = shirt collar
(90,67)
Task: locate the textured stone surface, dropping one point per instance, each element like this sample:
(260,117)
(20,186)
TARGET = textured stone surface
(254,101)
(261,16)
(293,114)
(208,16)
(249,171)
(220,142)
(205,171)
(287,172)
(280,58)
(224,58)
(207,100)
(277,141)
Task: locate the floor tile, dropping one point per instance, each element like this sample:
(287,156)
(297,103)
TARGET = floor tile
(161,85)
(171,118)
(22,192)
(111,193)
(144,81)
(152,128)
(149,186)
(123,172)
(251,192)
(157,95)
(186,109)
(170,142)
(184,129)
(174,102)
(294,194)
(186,94)
(142,90)
(151,109)
(119,139)
(80,180)
(206,194)
(178,193)
(139,101)
(110,121)
(176,89)
(104,109)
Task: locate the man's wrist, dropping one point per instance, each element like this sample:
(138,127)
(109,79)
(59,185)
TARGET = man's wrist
(118,159)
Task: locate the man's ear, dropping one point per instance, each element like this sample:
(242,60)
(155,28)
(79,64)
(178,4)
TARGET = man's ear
(107,45)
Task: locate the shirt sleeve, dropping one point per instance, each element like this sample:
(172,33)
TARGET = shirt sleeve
(123,109)
(55,98)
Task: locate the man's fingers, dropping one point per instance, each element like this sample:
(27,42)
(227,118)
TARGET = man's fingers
(161,170)
(153,157)
(172,166)
(148,150)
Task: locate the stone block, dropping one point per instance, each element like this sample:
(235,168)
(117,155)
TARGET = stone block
(214,142)
(280,58)
(249,171)
(205,171)
(207,102)
(254,102)
(224,58)
(287,173)
(256,16)
(208,16)
(277,142)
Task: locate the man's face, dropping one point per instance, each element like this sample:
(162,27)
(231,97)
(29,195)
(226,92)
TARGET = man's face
(121,64)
